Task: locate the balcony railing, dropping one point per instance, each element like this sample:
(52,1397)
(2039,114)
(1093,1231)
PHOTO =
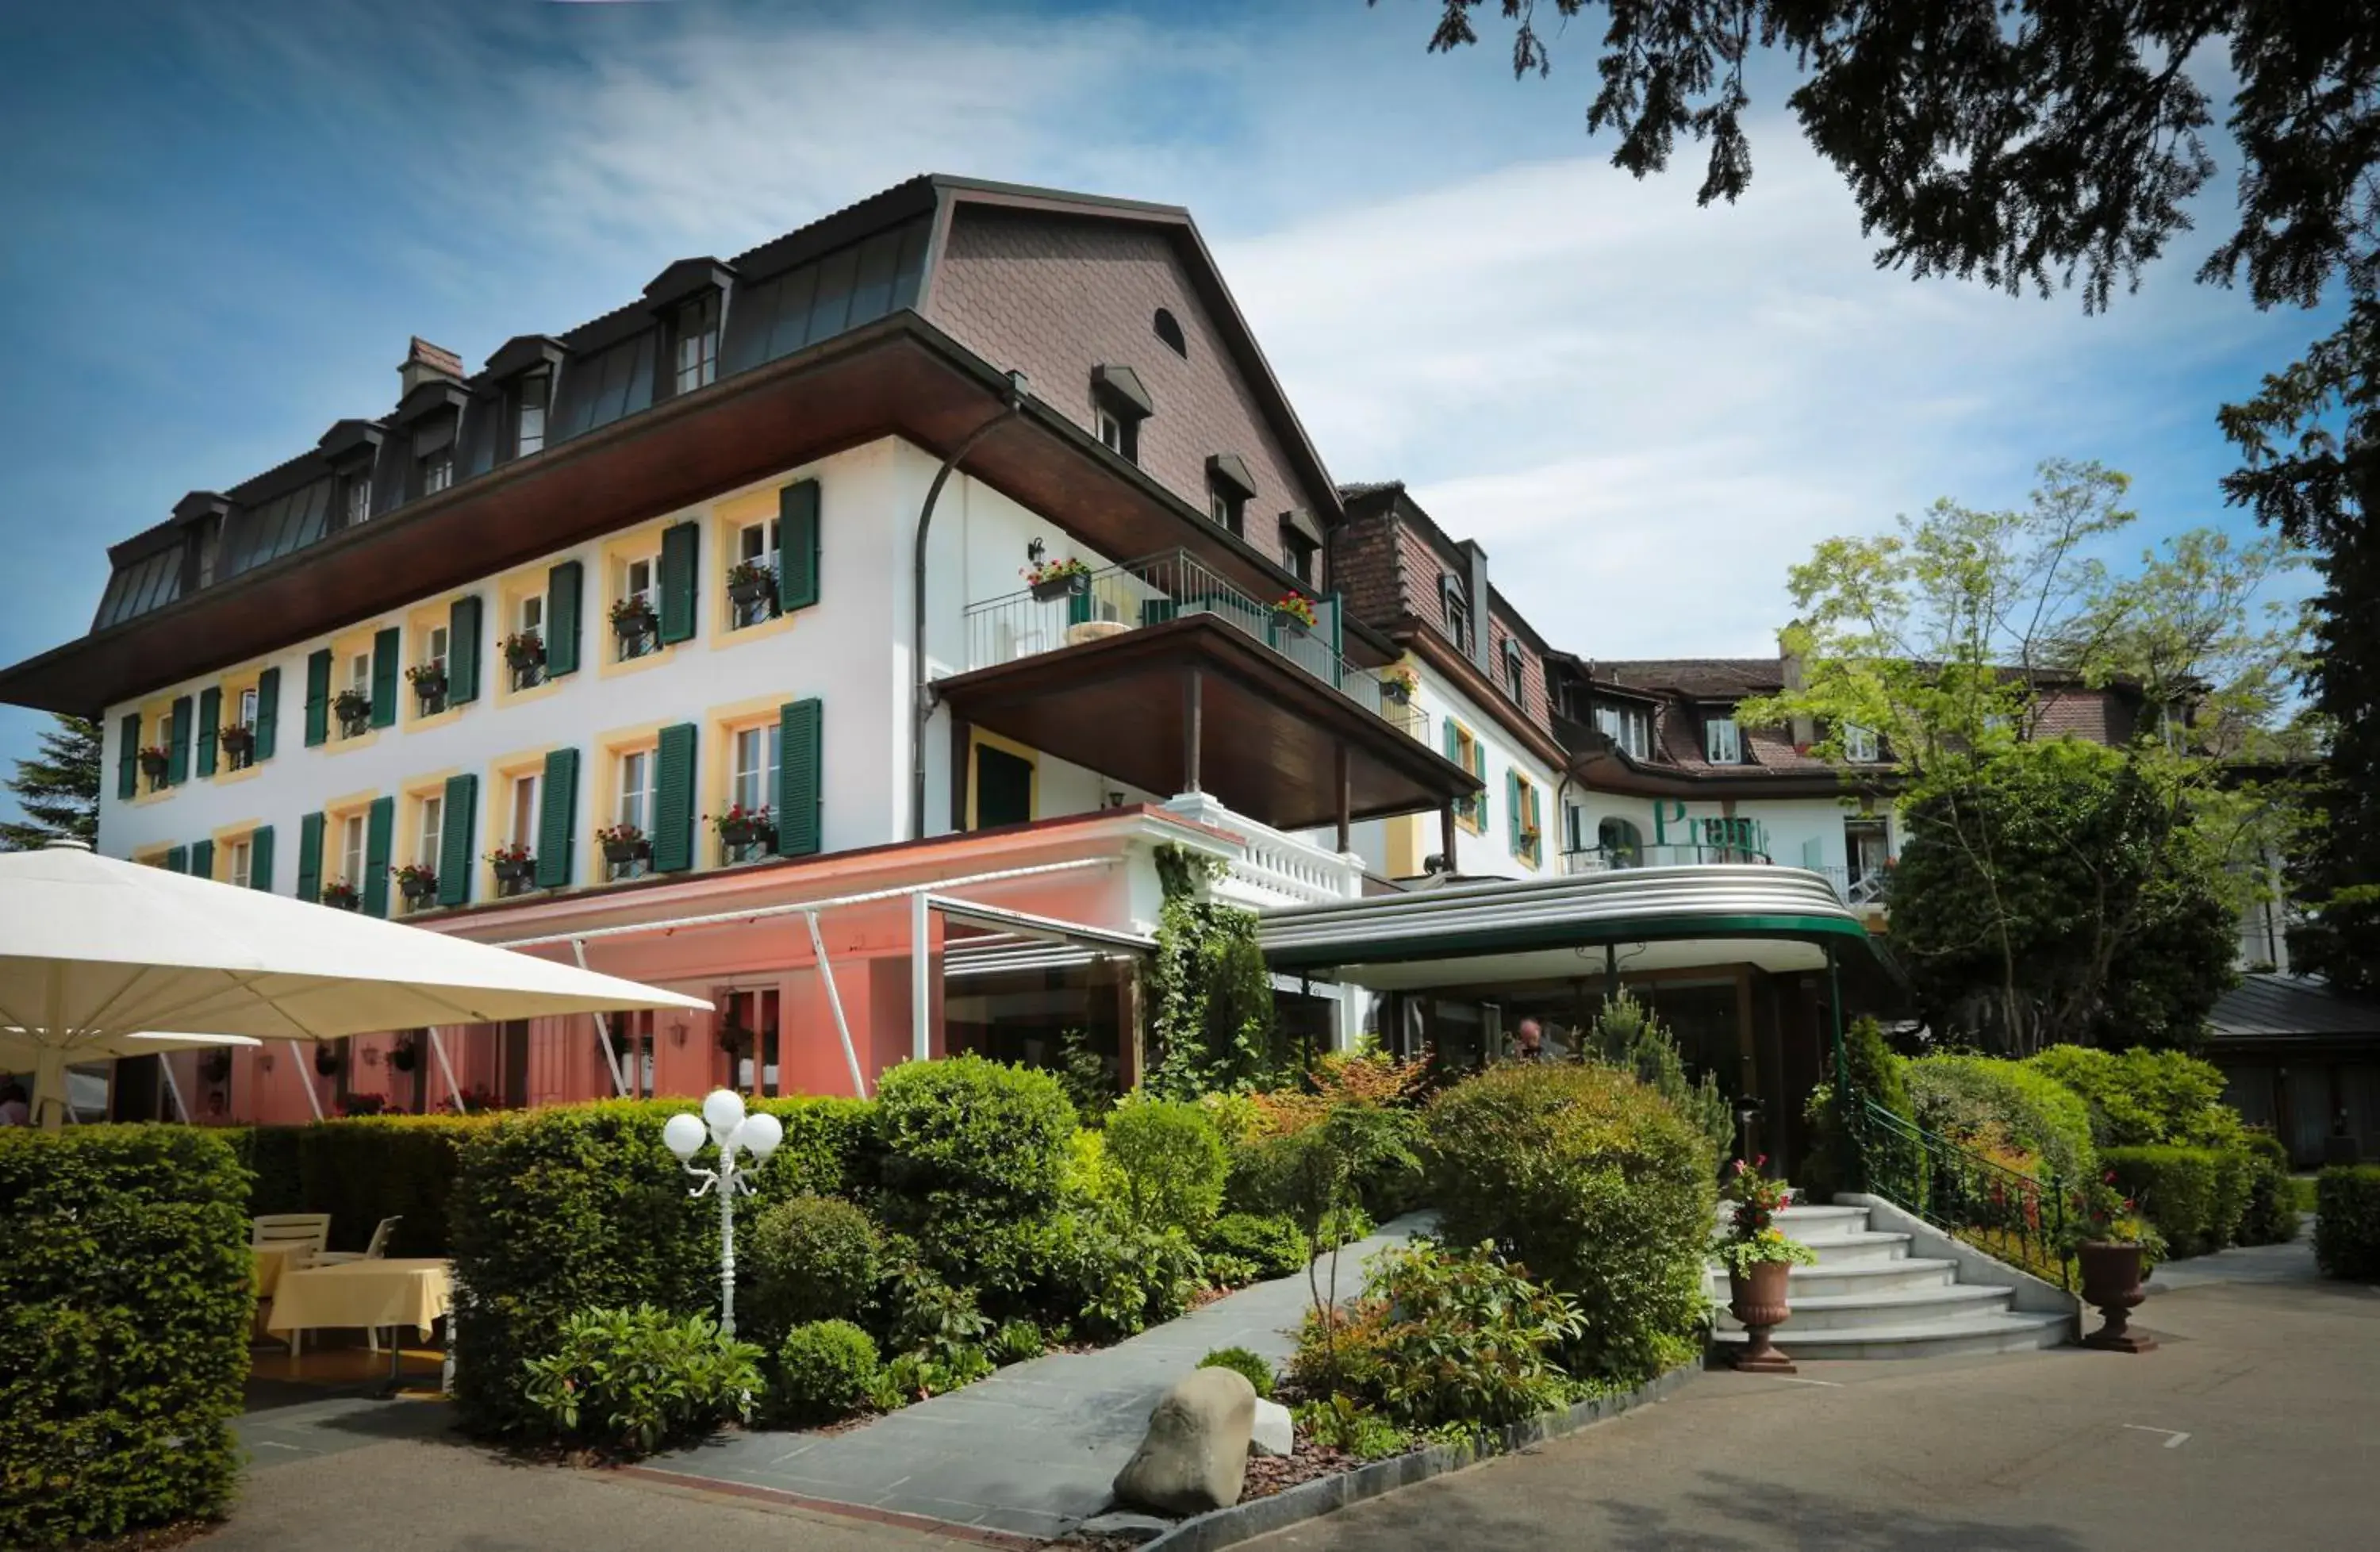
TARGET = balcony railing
(1611,859)
(1154,592)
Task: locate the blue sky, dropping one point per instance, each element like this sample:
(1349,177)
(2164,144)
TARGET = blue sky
(226,220)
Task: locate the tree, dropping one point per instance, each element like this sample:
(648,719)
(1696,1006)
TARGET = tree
(57,788)
(2037,144)
(1631,1036)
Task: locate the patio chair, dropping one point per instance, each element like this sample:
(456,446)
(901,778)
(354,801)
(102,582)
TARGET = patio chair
(304,1234)
(377,1250)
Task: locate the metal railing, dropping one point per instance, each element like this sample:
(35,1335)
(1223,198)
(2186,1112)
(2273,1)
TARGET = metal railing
(1613,859)
(2019,1218)
(1157,590)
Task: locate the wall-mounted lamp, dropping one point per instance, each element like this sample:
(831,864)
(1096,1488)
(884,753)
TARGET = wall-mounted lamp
(678,1033)
(1034,550)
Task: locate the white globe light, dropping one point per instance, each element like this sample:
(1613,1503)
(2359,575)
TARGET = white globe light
(723,1111)
(682,1135)
(761,1133)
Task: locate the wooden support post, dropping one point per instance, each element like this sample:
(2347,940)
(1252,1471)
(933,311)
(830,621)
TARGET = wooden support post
(1194,712)
(1345,795)
(1131,1040)
(1446,836)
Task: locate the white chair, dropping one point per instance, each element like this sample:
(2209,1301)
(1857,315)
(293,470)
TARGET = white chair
(303,1234)
(377,1250)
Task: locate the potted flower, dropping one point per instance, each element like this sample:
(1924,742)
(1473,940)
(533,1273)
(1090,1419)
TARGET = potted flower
(751,584)
(326,1059)
(238,741)
(353,710)
(1400,684)
(429,682)
(2116,1246)
(1057,580)
(1294,614)
(735,1041)
(155,760)
(741,827)
(512,862)
(403,1056)
(341,896)
(623,843)
(420,883)
(633,617)
(1759,1257)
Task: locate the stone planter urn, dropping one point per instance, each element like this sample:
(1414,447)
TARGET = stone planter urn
(2111,1283)
(1757,1298)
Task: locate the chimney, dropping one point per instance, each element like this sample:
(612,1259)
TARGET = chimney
(1483,635)
(425,362)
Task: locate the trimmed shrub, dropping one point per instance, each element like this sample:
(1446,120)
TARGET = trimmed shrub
(575,1207)
(2271,1217)
(1015,1342)
(825,1370)
(1628,1036)
(1173,1160)
(629,1381)
(125,1297)
(1971,1097)
(813,1258)
(1109,1278)
(1271,1242)
(2347,1222)
(2141,1097)
(360,1169)
(2193,1196)
(1599,1187)
(972,1148)
(1833,1161)
(1255,1368)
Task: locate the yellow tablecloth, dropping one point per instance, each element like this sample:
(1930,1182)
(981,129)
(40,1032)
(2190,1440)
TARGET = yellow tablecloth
(272,1261)
(355,1294)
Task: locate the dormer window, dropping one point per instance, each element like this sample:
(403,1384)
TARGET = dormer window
(355,497)
(1119,404)
(435,471)
(1297,553)
(1860,745)
(532,396)
(1628,727)
(1454,604)
(695,331)
(1230,487)
(1722,741)
(1515,671)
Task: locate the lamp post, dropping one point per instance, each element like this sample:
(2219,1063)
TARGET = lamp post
(723,1122)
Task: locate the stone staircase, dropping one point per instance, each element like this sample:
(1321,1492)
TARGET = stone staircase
(1870,1296)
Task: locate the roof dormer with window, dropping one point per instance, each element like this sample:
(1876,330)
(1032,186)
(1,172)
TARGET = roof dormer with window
(690,300)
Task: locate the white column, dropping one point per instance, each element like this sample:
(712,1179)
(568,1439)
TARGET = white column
(922,969)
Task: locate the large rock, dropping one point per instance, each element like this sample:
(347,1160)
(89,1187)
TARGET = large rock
(1275,1432)
(1195,1457)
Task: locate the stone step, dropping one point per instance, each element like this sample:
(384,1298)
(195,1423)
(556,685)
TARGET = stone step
(1969,1336)
(1890,1308)
(1814,1224)
(1864,1249)
(1826,1281)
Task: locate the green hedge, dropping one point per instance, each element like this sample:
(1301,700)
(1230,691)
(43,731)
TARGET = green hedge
(2195,1196)
(1963,1096)
(1599,1187)
(2142,1099)
(2272,1212)
(578,1207)
(360,1169)
(973,1152)
(125,1298)
(2347,1222)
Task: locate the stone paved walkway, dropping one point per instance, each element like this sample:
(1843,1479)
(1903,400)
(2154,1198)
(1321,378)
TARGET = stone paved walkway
(1033,1449)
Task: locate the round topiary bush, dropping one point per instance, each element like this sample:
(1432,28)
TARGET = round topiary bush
(971,1149)
(1173,1162)
(825,1370)
(1254,1366)
(1971,1097)
(1599,1187)
(812,1259)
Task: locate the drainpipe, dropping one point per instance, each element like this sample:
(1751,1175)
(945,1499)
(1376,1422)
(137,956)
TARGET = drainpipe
(921,694)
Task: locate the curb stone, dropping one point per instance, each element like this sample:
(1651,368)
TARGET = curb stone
(1311,1500)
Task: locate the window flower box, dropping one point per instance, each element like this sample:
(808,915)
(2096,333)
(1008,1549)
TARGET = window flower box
(342,896)
(429,682)
(1051,580)
(238,741)
(353,708)
(632,618)
(155,761)
(514,865)
(741,827)
(417,882)
(1295,614)
(525,656)
(624,843)
(751,584)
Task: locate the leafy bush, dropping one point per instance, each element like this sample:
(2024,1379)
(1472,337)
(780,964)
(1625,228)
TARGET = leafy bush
(972,1148)
(1832,1162)
(1239,1360)
(813,1258)
(2347,1222)
(1015,1341)
(1628,1036)
(1343,1423)
(632,1380)
(1110,1278)
(1084,1073)
(2271,1217)
(1970,1098)
(1272,1243)
(1597,1184)
(1210,993)
(930,1317)
(2193,1196)
(825,1371)
(1173,1161)
(124,1306)
(1443,1335)
(360,1169)
(2141,1097)
(575,1207)
(914,1376)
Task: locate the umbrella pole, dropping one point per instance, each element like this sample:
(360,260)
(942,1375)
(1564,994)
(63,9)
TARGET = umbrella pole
(306,1077)
(438,1050)
(612,1062)
(834,1001)
(173,1086)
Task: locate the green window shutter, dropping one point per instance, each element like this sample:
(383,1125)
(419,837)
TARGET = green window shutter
(1158,610)
(310,858)
(455,841)
(177,749)
(259,858)
(798,545)
(268,714)
(463,651)
(202,859)
(556,817)
(379,830)
(800,790)
(388,648)
(680,546)
(318,697)
(563,585)
(209,724)
(673,800)
(177,859)
(1513,809)
(128,755)
(1078,608)
(1454,755)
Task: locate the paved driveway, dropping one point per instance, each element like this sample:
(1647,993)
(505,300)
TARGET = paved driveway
(2253,1425)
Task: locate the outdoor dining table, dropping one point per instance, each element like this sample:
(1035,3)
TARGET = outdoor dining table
(414,1291)
(272,1261)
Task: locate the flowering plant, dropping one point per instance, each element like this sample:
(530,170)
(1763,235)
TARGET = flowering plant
(415,877)
(1754,1239)
(512,851)
(740,821)
(352,705)
(619,835)
(632,608)
(1040,572)
(341,894)
(426,677)
(155,756)
(748,573)
(1403,679)
(1297,606)
(2104,1214)
(524,646)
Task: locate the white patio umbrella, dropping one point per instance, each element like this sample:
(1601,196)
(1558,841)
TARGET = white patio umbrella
(92,949)
(20,1050)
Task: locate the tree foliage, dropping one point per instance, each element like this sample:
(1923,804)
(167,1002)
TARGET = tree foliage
(57,788)
(1212,1010)
(1631,1036)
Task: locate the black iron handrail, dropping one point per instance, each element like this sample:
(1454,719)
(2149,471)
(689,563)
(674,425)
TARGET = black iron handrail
(2004,1212)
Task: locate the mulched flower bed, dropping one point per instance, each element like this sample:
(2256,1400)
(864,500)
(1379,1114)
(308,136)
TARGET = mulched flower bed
(1268,1475)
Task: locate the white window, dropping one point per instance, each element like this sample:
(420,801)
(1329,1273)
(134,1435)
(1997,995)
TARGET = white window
(248,707)
(1722,741)
(356,494)
(237,858)
(360,673)
(1111,428)
(1859,744)
(436,644)
(1626,726)
(524,812)
(636,578)
(637,790)
(433,828)
(437,472)
(698,343)
(532,613)
(756,769)
(757,543)
(529,434)
(351,850)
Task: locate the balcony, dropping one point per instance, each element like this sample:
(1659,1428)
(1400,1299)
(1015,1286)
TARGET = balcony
(1615,859)
(1161,674)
